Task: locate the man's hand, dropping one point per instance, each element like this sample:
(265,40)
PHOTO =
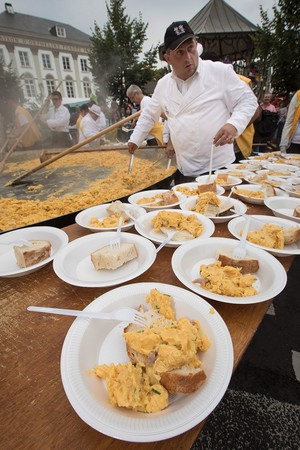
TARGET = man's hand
(225,135)
(132,147)
(170,149)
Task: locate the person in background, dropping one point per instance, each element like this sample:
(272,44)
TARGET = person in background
(84,109)
(91,124)
(22,118)
(290,138)
(57,119)
(281,112)
(135,95)
(206,105)
(266,104)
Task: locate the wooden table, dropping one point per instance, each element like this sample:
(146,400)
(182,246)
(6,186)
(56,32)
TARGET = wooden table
(36,413)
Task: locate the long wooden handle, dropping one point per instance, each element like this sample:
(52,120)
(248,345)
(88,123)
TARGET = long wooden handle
(75,147)
(29,124)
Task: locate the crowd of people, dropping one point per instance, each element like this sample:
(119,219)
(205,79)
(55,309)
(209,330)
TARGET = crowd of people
(201,103)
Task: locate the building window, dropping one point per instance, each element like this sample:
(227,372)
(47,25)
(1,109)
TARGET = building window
(24,60)
(86,88)
(29,87)
(60,31)
(2,59)
(83,65)
(50,86)
(46,61)
(66,63)
(70,89)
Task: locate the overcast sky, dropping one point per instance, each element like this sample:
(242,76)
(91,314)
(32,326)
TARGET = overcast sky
(157,13)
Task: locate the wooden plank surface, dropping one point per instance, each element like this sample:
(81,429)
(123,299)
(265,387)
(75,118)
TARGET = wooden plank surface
(36,413)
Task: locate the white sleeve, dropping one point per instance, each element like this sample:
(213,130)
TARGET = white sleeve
(146,121)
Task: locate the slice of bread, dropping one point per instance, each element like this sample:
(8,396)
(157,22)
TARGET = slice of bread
(224,209)
(111,259)
(247,265)
(268,190)
(28,256)
(207,187)
(169,198)
(183,381)
(291,235)
(296,212)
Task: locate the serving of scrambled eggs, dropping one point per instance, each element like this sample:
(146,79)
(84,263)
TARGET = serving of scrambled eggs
(227,280)
(248,193)
(269,235)
(205,199)
(166,344)
(179,221)
(107,222)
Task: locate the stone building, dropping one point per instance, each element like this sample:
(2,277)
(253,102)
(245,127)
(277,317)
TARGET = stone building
(44,52)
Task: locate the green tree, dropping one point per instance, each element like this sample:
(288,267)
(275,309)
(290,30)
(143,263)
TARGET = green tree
(277,45)
(115,53)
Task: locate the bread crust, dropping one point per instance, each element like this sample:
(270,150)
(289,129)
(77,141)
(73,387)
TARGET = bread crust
(247,265)
(207,187)
(297,211)
(183,381)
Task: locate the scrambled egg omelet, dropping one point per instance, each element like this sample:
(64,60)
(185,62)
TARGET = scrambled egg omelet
(227,280)
(179,221)
(269,235)
(168,343)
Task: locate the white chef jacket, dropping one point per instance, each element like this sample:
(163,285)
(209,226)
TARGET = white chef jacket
(196,109)
(58,119)
(89,127)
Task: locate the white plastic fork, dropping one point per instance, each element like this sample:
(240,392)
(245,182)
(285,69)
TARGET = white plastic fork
(18,242)
(116,242)
(170,235)
(240,251)
(123,314)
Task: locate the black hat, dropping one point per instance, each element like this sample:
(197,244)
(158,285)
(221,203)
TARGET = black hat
(177,33)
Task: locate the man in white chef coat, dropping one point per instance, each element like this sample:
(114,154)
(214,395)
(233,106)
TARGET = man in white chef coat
(205,104)
(91,124)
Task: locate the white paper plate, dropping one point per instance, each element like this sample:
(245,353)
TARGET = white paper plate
(277,181)
(87,344)
(220,190)
(289,167)
(256,187)
(8,263)
(144,226)
(283,207)
(238,206)
(186,262)
(100,212)
(236,225)
(291,185)
(139,195)
(73,264)
(251,166)
(232,181)
(237,173)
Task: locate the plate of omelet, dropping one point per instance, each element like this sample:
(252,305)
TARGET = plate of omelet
(108,392)
(280,237)
(204,268)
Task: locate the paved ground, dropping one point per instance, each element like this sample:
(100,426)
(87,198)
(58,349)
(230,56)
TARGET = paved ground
(261,409)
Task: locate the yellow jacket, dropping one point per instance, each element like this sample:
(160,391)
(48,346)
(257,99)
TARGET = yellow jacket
(245,140)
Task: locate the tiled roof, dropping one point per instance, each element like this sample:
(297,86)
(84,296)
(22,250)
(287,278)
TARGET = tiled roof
(31,26)
(218,17)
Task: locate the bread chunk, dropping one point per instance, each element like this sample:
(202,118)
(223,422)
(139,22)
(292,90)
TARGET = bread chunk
(247,265)
(291,235)
(297,211)
(207,187)
(183,381)
(28,256)
(111,259)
